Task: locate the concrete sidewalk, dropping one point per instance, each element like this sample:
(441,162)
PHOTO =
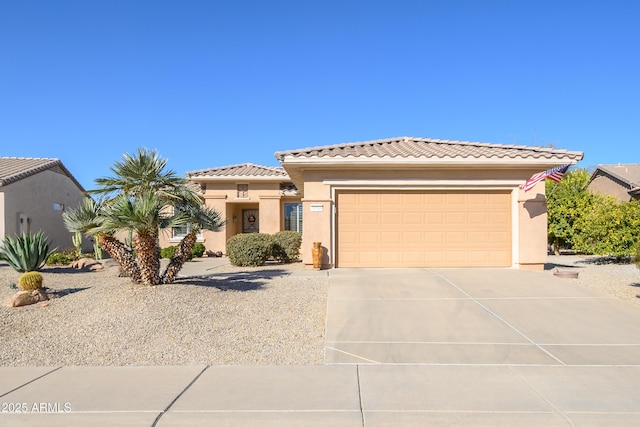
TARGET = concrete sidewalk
(404,347)
(348,395)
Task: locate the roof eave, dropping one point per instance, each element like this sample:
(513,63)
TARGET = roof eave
(239,178)
(425,161)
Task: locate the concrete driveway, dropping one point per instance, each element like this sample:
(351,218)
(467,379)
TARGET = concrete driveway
(475,317)
(404,347)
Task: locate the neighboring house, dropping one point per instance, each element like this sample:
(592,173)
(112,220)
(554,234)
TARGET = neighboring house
(33,195)
(400,202)
(619,181)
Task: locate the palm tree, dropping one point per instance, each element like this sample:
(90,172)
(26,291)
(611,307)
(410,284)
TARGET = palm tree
(143,198)
(88,218)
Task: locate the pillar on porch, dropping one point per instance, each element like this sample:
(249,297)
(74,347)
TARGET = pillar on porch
(269,211)
(216,240)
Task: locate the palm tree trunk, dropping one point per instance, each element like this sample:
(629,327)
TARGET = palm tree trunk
(180,256)
(118,251)
(146,246)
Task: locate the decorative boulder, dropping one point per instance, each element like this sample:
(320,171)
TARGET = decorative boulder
(87,264)
(27,298)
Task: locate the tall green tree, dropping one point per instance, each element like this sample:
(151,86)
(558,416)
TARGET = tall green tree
(567,201)
(143,198)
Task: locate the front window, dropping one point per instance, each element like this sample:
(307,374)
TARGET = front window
(182,231)
(293,217)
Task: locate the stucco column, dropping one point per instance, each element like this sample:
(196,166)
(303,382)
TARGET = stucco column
(316,227)
(532,221)
(269,211)
(216,240)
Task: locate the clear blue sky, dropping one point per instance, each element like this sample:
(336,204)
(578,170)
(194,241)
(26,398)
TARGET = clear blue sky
(213,83)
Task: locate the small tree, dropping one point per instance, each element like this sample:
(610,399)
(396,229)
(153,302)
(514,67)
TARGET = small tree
(567,201)
(609,227)
(142,198)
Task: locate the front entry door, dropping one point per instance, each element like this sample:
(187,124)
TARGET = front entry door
(250,222)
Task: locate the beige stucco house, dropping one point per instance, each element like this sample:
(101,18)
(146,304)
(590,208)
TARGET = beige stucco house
(400,202)
(620,181)
(34,193)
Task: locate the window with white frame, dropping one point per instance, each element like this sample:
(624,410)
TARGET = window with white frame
(293,217)
(182,231)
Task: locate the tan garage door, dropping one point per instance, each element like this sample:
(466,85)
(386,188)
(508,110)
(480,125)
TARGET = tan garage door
(423,229)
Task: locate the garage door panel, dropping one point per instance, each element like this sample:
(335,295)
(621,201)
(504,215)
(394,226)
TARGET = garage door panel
(456,218)
(390,199)
(394,218)
(423,229)
(478,237)
(434,201)
(455,237)
(368,218)
(412,218)
(480,218)
(434,237)
(498,237)
(391,238)
(411,237)
(434,218)
(412,199)
(368,237)
(370,258)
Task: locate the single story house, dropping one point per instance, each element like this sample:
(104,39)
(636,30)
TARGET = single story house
(34,192)
(619,181)
(399,202)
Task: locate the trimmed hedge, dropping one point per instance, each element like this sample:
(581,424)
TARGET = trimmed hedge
(196,251)
(286,246)
(254,249)
(168,252)
(250,249)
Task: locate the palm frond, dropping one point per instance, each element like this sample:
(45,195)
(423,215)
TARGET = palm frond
(85,218)
(139,173)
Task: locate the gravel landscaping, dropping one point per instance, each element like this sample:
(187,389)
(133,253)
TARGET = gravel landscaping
(250,316)
(600,274)
(270,315)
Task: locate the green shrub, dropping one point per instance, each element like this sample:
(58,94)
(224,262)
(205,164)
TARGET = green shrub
(251,249)
(168,252)
(286,246)
(61,257)
(198,250)
(30,281)
(26,252)
(637,257)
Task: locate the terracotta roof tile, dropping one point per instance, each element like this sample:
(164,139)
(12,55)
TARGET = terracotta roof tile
(410,147)
(13,169)
(245,170)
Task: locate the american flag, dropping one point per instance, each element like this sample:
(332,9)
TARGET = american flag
(554,174)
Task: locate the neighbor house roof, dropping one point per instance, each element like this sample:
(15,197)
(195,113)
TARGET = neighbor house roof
(13,169)
(426,148)
(245,170)
(628,175)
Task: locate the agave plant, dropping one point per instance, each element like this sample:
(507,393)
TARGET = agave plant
(26,252)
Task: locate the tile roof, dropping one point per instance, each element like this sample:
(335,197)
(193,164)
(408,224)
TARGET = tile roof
(245,170)
(13,169)
(410,147)
(629,173)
